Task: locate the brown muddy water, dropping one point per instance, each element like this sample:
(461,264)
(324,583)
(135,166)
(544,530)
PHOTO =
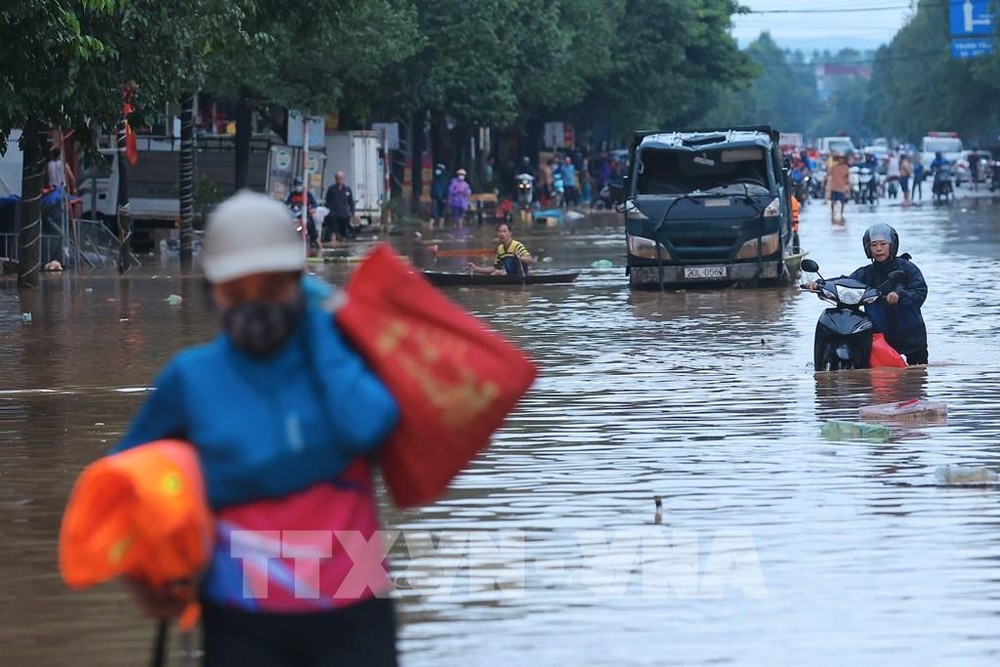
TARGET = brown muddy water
(775,545)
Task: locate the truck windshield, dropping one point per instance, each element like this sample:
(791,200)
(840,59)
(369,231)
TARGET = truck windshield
(942,144)
(671,172)
(842,146)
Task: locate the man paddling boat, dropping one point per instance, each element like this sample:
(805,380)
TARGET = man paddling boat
(512,258)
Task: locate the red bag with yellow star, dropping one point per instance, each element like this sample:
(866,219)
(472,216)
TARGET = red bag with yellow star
(455,380)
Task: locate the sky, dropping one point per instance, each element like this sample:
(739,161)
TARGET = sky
(821,29)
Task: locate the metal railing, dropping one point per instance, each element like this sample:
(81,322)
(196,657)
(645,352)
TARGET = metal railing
(90,243)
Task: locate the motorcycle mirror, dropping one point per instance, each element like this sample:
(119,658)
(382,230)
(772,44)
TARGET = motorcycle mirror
(810,266)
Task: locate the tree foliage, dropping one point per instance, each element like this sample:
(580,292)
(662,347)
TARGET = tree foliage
(917,86)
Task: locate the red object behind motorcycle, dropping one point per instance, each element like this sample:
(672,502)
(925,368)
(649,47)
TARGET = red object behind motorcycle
(884,355)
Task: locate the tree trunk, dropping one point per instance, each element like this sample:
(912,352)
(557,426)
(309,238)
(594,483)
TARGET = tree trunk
(244,131)
(187,178)
(123,213)
(30,237)
(416,142)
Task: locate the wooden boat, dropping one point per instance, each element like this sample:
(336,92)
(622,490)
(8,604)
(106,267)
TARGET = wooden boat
(461,252)
(454,279)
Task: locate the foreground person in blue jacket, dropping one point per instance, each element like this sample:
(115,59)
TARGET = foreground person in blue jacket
(898,315)
(284,416)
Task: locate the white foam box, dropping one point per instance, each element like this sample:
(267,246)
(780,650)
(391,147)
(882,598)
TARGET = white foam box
(914,410)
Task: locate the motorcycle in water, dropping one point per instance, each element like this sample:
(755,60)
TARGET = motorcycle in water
(817,185)
(304,223)
(525,191)
(855,183)
(801,189)
(942,187)
(602,201)
(869,185)
(844,333)
(558,190)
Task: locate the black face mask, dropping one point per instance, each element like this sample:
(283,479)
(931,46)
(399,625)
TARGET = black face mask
(260,329)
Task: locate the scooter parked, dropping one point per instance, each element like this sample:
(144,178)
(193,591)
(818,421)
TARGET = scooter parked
(844,336)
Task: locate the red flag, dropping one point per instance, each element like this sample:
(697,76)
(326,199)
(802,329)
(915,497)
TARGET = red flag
(130,148)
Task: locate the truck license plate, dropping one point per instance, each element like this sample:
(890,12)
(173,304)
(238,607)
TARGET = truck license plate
(704,272)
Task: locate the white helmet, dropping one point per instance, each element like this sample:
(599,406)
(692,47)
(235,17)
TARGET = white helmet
(250,233)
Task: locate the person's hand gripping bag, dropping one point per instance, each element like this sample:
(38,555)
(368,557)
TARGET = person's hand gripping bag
(141,513)
(455,381)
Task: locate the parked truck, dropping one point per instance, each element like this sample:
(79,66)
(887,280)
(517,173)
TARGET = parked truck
(708,207)
(154,181)
(356,153)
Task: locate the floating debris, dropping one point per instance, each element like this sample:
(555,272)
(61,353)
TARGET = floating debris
(914,409)
(957,475)
(25,317)
(840,430)
(174,300)
(602,264)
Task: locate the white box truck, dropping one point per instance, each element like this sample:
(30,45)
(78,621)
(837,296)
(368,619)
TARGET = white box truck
(356,153)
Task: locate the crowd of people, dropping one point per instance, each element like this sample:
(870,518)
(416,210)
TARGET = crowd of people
(900,173)
(556,180)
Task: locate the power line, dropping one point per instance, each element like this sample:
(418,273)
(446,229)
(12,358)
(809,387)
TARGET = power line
(840,9)
(837,10)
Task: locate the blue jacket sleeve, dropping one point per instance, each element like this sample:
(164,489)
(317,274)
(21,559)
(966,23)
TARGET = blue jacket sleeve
(359,406)
(161,414)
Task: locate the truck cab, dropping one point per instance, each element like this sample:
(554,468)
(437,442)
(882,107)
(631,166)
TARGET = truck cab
(947,143)
(707,207)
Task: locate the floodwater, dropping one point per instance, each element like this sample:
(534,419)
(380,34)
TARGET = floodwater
(775,545)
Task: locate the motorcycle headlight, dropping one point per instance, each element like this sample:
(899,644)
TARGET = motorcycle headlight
(849,295)
(863,325)
(639,246)
(769,244)
(773,209)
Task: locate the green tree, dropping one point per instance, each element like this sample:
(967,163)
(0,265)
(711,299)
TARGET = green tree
(48,53)
(670,58)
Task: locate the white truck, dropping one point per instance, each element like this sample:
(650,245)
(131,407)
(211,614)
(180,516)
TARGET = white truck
(356,153)
(842,145)
(946,143)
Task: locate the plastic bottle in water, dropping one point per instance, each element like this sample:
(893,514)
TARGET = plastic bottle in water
(957,474)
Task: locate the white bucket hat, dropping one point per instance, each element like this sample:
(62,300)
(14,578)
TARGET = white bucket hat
(250,233)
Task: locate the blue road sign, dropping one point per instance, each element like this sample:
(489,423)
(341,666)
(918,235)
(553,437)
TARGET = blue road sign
(970,48)
(970,18)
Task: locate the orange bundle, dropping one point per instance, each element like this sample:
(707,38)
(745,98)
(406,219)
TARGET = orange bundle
(453,379)
(141,513)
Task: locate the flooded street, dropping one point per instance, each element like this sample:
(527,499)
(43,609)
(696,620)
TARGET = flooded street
(775,545)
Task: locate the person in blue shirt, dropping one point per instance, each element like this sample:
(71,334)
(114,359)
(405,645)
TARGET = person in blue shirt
(569,181)
(939,161)
(285,417)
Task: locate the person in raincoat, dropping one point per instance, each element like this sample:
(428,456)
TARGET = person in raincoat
(458,198)
(284,416)
(439,196)
(898,314)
